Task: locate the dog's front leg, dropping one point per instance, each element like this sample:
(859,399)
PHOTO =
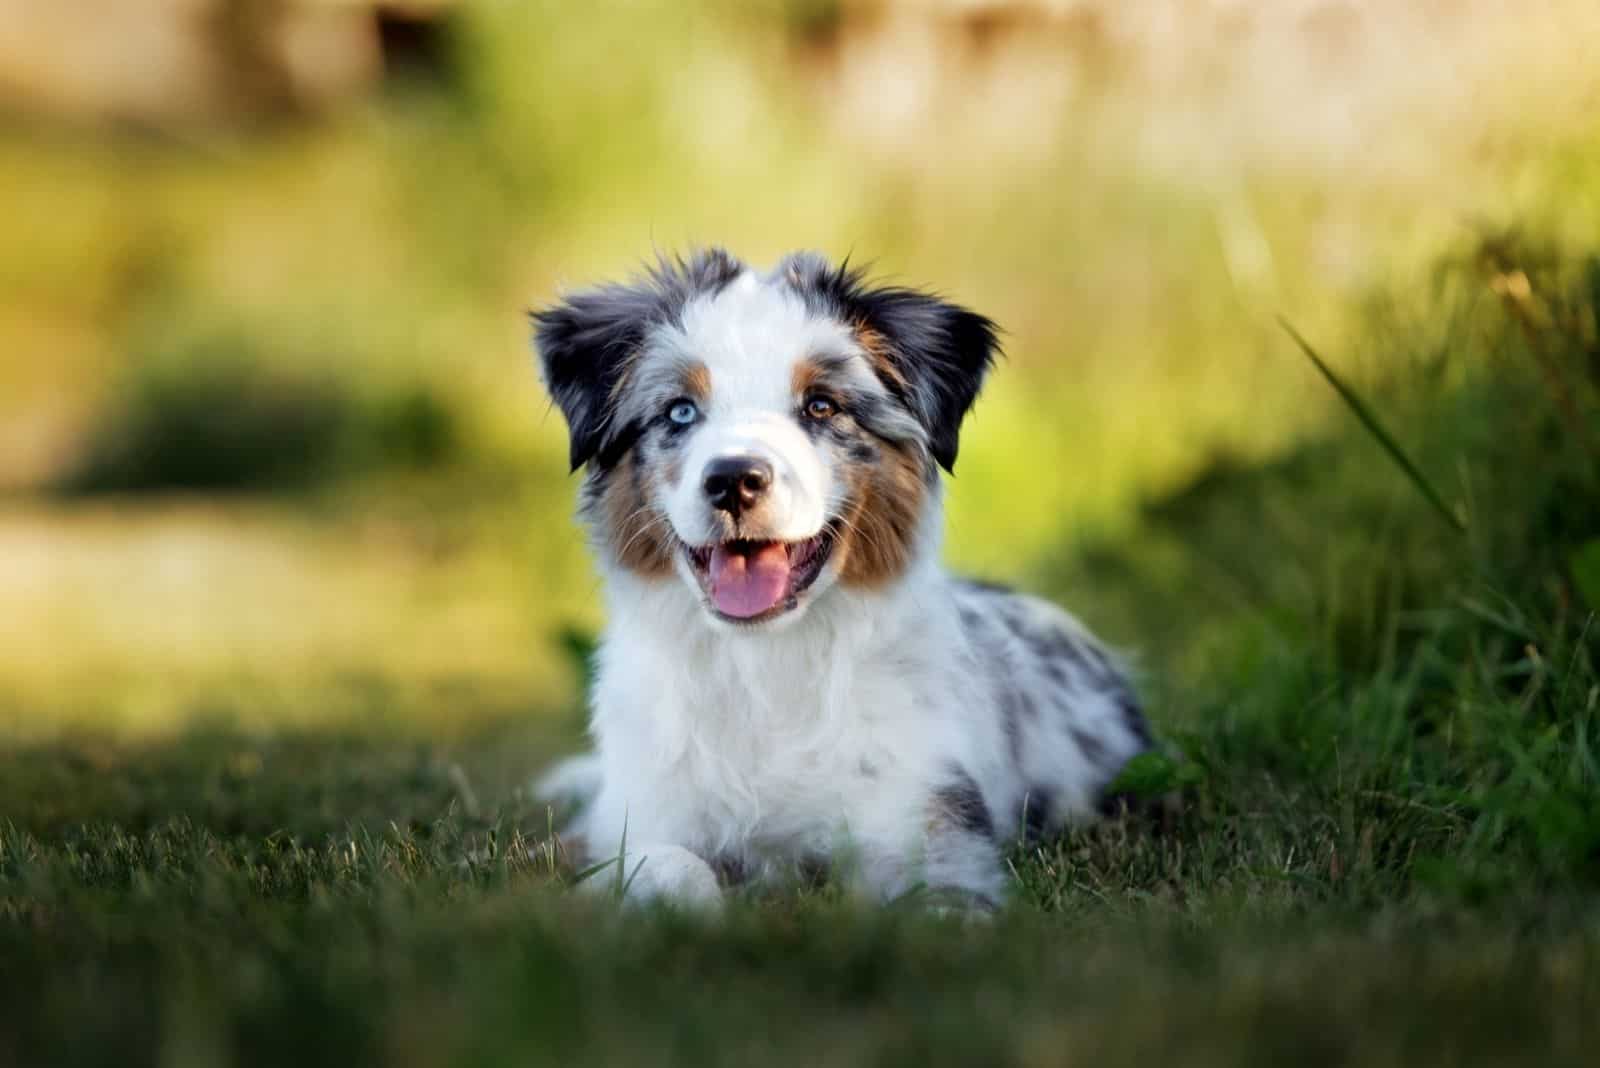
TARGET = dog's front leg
(950,870)
(965,872)
(950,857)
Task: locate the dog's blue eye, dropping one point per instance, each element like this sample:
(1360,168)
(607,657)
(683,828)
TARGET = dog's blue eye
(683,412)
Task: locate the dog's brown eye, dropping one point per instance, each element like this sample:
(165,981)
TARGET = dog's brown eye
(820,408)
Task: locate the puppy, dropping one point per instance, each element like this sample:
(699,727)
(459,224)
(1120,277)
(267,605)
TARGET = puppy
(788,680)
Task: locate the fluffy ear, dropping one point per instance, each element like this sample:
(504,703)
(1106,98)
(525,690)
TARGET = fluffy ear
(942,351)
(587,343)
(931,353)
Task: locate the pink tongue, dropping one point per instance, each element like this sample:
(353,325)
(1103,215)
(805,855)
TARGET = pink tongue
(747,585)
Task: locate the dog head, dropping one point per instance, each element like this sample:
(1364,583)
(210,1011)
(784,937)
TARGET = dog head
(763,436)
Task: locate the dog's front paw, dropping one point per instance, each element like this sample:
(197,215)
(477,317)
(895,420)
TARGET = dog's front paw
(952,902)
(660,873)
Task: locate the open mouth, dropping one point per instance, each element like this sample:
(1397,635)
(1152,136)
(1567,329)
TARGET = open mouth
(752,581)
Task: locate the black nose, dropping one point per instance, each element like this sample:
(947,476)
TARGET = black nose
(735,483)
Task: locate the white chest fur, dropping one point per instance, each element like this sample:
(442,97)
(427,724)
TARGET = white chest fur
(779,743)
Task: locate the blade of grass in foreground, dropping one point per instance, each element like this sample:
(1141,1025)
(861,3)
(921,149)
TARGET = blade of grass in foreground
(1370,421)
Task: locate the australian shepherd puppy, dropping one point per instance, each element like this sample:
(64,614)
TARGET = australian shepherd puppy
(788,679)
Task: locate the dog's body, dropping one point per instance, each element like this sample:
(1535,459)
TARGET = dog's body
(788,678)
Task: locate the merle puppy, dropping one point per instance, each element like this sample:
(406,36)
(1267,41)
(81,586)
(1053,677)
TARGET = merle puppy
(788,677)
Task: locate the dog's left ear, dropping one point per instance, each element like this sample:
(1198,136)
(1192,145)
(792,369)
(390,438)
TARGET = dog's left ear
(940,351)
(930,353)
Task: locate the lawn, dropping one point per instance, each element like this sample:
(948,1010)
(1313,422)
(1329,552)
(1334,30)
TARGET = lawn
(292,609)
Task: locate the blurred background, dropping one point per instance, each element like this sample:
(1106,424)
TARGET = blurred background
(272,447)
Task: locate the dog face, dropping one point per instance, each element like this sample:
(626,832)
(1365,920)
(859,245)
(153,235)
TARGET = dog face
(761,436)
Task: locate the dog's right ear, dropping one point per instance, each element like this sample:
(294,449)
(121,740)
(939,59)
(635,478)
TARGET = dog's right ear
(585,345)
(588,342)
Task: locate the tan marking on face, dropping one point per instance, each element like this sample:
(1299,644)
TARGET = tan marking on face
(697,381)
(635,531)
(878,536)
(694,379)
(876,347)
(807,373)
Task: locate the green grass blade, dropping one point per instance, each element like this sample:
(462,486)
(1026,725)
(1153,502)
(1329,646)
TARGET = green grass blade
(621,885)
(592,870)
(1370,421)
(622,895)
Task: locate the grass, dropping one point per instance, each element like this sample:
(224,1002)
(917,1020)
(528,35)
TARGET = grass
(1389,850)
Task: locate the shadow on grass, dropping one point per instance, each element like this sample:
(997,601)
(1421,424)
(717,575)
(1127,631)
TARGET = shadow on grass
(303,782)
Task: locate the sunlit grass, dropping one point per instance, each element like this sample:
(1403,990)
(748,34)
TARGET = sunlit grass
(140,617)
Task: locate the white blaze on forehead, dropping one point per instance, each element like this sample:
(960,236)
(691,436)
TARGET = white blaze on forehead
(750,336)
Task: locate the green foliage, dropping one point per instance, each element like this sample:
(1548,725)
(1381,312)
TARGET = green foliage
(1324,642)
(225,413)
(1155,773)
(1586,571)
(579,646)
(1375,427)
(412,427)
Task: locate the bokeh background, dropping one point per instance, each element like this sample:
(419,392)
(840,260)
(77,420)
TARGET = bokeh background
(292,603)
(272,447)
